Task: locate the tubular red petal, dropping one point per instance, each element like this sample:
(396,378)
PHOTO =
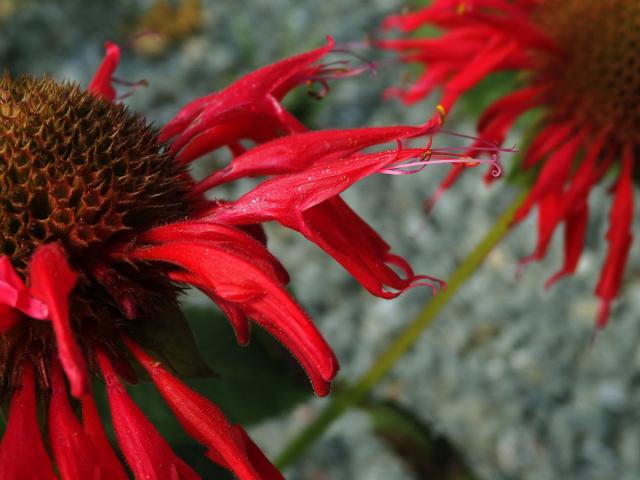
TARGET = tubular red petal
(411,21)
(199,417)
(551,138)
(295,153)
(22,454)
(235,315)
(479,38)
(428,81)
(314,210)
(75,455)
(575,228)
(520,28)
(214,138)
(146,452)
(92,425)
(549,216)
(619,237)
(498,119)
(237,279)
(249,94)
(573,208)
(250,126)
(335,228)
(223,235)
(339,231)
(553,174)
(486,61)
(101,85)
(283,198)
(52,280)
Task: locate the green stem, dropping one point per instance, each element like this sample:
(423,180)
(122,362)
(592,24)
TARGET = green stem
(351,395)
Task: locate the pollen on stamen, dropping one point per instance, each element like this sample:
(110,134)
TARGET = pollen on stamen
(442,112)
(335,70)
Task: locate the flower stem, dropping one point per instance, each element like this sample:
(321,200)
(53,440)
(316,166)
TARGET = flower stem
(349,396)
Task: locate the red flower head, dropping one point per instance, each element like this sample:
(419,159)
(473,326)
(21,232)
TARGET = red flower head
(102,226)
(581,64)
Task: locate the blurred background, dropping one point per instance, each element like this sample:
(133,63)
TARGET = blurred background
(505,384)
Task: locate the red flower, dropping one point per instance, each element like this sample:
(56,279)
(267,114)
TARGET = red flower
(580,60)
(102,226)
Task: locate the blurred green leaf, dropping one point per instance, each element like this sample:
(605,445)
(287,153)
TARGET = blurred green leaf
(252,383)
(170,336)
(301,103)
(255,382)
(487,91)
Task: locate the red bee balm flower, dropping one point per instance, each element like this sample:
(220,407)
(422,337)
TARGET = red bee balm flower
(102,226)
(581,63)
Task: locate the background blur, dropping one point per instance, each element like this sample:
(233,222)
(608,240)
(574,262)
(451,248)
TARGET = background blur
(505,385)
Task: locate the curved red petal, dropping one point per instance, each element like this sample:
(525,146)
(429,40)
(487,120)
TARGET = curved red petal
(236,278)
(339,231)
(553,174)
(619,237)
(22,453)
(92,425)
(146,452)
(308,203)
(284,197)
(236,316)
(228,236)
(74,453)
(295,153)
(52,280)
(199,417)
(254,94)
(101,85)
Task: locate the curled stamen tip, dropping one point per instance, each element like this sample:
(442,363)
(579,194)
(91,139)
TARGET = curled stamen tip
(134,86)
(318,95)
(496,170)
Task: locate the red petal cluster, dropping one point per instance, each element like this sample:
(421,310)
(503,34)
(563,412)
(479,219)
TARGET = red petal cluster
(481,37)
(220,249)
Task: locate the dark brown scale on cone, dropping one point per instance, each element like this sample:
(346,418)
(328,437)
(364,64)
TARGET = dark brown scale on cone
(77,169)
(597,82)
(84,172)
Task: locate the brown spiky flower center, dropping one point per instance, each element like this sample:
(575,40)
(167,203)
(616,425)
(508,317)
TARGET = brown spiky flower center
(85,173)
(78,170)
(597,80)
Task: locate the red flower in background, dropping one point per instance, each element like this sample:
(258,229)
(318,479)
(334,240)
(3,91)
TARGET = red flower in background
(102,226)
(580,64)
